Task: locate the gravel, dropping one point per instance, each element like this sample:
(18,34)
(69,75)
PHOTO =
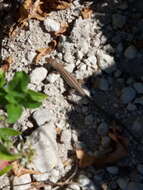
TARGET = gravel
(128,94)
(105,54)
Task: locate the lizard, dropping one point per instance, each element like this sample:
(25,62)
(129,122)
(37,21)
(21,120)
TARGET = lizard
(73,83)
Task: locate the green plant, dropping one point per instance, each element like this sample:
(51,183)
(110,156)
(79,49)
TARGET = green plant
(6,146)
(15,95)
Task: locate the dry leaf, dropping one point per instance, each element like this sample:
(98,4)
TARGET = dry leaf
(19,170)
(86,13)
(44,51)
(110,158)
(6,63)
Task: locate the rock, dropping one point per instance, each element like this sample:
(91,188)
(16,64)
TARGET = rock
(86,183)
(134,186)
(103,84)
(140,168)
(118,21)
(130,52)
(106,62)
(41,116)
(139,101)
(22,180)
(122,182)
(74,187)
(30,55)
(52,77)
(128,94)
(38,75)
(137,127)
(70,67)
(131,107)
(134,67)
(91,60)
(42,177)
(102,129)
(51,25)
(46,157)
(138,87)
(113,170)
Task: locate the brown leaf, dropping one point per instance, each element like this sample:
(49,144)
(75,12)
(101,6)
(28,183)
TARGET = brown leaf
(19,170)
(6,63)
(86,13)
(110,158)
(44,51)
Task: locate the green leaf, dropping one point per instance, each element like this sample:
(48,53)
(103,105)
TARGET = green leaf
(36,96)
(14,112)
(5,170)
(15,97)
(19,82)
(5,155)
(8,132)
(2,78)
(32,104)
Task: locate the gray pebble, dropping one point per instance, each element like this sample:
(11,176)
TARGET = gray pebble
(103,84)
(131,107)
(130,52)
(122,182)
(140,168)
(51,25)
(134,186)
(113,170)
(38,75)
(118,21)
(138,87)
(52,77)
(139,101)
(102,129)
(42,116)
(128,94)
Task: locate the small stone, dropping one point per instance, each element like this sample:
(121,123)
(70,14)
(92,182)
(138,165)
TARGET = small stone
(131,107)
(139,101)
(30,55)
(86,183)
(138,87)
(46,157)
(88,119)
(83,180)
(118,21)
(51,25)
(106,62)
(128,94)
(52,77)
(41,116)
(102,129)
(92,60)
(74,187)
(130,52)
(134,186)
(38,75)
(140,168)
(103,84)
(70,67)
(122,182)
(113,170)
(22,180)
